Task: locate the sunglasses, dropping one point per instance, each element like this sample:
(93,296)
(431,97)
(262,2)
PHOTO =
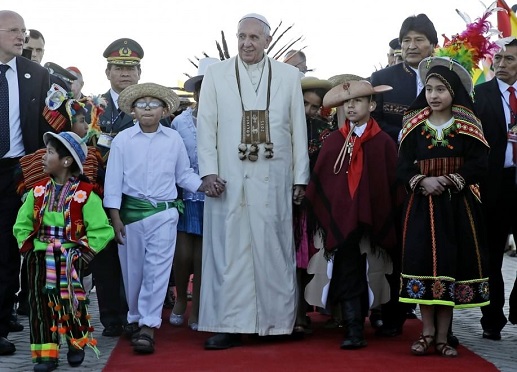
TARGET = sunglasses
(144,105)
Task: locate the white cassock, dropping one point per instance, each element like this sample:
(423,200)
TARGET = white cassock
(248,282)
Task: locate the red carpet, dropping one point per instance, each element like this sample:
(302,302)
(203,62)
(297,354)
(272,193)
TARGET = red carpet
(180,349)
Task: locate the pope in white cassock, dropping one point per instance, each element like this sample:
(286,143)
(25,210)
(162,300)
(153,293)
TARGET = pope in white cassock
(252,133)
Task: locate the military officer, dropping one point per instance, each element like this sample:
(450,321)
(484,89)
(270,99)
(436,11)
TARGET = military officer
(123,69)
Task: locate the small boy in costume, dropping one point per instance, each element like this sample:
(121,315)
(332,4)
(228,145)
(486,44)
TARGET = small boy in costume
(60,227)
(351,193)
(146,162)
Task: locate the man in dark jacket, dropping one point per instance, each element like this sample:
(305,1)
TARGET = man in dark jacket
(418,39)
(123,57)
(23,88)
(493,105)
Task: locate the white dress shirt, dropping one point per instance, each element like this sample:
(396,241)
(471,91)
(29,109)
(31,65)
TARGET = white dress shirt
(15,130)
(148,167)
(505,100)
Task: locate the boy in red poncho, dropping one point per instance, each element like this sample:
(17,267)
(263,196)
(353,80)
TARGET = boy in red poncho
(353,195)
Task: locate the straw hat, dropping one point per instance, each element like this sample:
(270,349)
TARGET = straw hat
(311,82)
(133,92)
(190,84)
(343,78)
(352,89)
(73,143)
(427,63)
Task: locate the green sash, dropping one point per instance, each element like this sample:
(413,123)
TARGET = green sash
(134,209)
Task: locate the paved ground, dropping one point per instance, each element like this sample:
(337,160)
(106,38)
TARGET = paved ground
(502,354)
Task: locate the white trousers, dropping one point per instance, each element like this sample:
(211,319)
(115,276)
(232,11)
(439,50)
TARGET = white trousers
(146,261)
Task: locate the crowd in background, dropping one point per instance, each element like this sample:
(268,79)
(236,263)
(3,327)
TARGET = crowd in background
(347,171)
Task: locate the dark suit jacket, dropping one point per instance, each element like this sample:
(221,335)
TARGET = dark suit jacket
(391,105)
(489,109)
(110,120)
(33,85)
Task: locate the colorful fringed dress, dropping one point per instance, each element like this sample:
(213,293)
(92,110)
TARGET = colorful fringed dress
(58,229)
(444,245)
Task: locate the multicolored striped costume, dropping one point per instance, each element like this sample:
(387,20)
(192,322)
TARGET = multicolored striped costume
(57,225)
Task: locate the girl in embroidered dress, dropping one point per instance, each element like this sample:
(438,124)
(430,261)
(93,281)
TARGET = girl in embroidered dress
(60,227)
(442,156)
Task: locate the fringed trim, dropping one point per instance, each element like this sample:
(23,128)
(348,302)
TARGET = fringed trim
(62,319)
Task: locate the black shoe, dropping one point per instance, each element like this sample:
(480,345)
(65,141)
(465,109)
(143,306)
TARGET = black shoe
(15,326)
(386,331)
(6,347)
(75,357)
(112,331)
(23,308)
(223,341)
(353,343)
(376,319)
(169,301)
(411,314)
(45,366)
(492,335)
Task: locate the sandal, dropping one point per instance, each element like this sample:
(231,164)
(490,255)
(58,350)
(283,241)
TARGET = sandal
(421,347)
(134,338)
(131,329)
(144,344)
(446,350)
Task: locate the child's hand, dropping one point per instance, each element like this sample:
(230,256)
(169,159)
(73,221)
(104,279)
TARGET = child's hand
(118,226)
(120,231)
(298,194)
(213,185)
(433,185)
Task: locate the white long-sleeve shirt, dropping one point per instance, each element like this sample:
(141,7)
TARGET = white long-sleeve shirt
(147,166)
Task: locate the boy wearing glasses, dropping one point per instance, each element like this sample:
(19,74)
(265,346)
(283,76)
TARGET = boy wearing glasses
(146,162)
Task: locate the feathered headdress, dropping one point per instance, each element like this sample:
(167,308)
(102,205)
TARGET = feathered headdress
(472,45)
(463,52)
